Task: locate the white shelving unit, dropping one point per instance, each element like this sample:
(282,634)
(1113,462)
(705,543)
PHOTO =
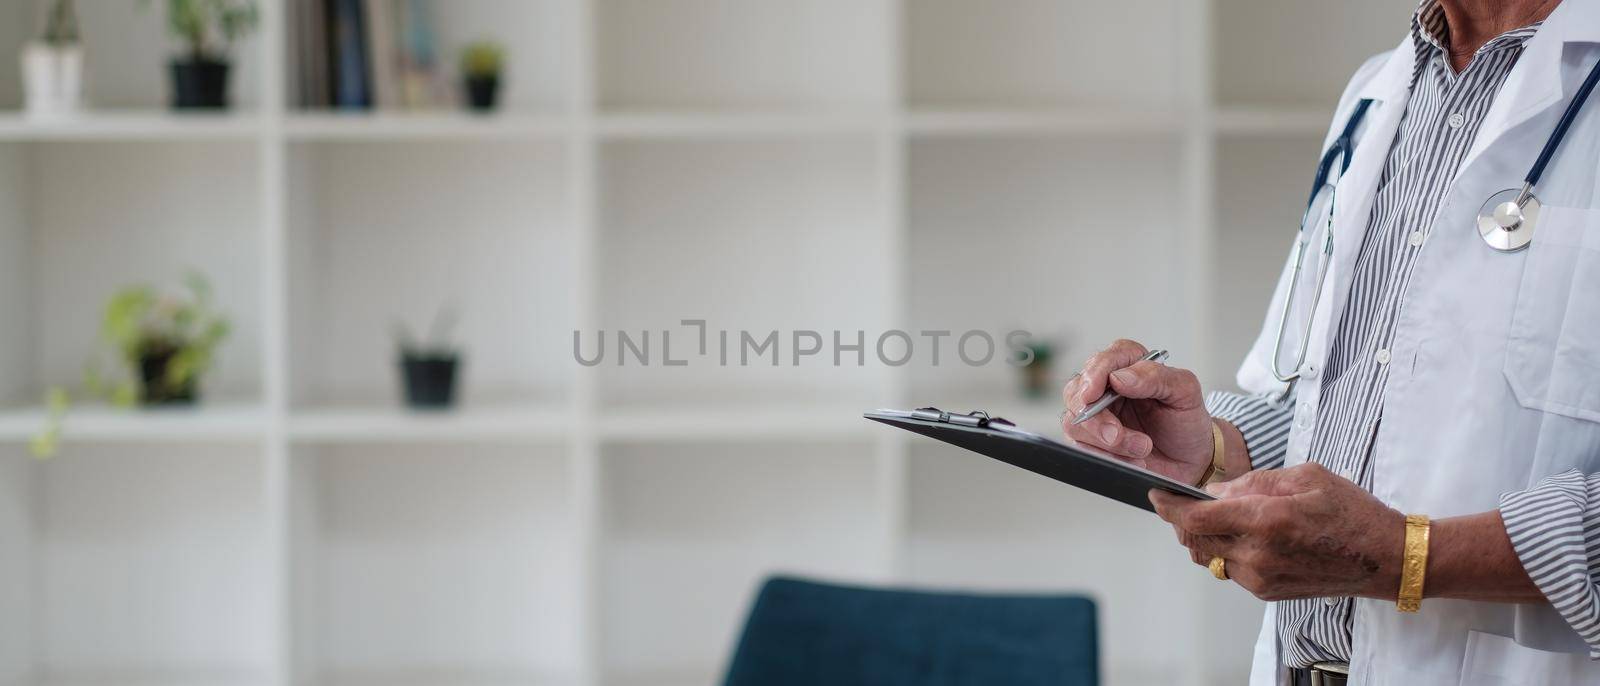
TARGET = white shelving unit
(760,164)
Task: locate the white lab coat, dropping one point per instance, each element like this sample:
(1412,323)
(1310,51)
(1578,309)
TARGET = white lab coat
(1495,364)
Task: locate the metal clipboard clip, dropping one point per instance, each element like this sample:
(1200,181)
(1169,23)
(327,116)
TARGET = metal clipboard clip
(975,418)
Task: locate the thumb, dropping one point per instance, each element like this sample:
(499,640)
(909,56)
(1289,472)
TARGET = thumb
(1156,381)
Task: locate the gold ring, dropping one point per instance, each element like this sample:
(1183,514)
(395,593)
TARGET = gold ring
(1219,568)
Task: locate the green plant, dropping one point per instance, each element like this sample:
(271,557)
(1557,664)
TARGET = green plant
(139,323)
(208,28)
(482,59)
(1043,353)
(61,25)
(437,344)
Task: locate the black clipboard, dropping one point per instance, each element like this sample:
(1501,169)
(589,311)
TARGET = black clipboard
(1087,468)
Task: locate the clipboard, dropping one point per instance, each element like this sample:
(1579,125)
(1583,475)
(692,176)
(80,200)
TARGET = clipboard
(1076,465)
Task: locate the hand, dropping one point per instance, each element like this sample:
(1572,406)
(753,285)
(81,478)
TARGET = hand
(1301,532)
(1160,424)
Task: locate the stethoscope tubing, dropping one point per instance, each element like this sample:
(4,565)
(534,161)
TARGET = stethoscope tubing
(1344,147)
(1560,132)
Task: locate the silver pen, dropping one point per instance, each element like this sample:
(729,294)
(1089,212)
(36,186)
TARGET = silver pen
(1111,396)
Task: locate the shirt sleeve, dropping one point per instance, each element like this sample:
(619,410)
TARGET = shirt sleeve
(1555,529)
(1264,423)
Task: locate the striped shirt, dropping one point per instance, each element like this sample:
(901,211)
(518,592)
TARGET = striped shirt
(1436,131)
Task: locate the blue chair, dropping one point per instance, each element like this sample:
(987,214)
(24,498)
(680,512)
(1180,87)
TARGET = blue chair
(807,634)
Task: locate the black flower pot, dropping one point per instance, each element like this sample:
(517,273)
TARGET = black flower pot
(153,388)
(199,84)
(430,380)
(482,91)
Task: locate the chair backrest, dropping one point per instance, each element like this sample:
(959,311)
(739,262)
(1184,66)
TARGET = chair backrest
(802,633)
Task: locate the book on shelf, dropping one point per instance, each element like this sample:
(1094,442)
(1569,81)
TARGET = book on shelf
(420,83)
(348,54)
(365,54)
(311,51)
(382,53)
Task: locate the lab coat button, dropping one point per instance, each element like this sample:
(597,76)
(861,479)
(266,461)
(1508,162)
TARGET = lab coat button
(1382,356)
(1456,120)
(1309,373)
(1415,239)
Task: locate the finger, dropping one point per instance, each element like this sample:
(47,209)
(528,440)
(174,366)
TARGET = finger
(1092,380)
(1269,482)
(1215,517)
(1203,549)
(1106,431)
(1208,545)
(1156,381)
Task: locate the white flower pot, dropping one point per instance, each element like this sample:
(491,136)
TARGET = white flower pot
(52,79)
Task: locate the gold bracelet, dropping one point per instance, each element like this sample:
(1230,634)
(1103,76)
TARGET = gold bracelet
(1414,567)
(1217,469)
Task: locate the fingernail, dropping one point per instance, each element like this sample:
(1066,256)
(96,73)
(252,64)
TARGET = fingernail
(1141,445)
(1123,376)
(1109,434)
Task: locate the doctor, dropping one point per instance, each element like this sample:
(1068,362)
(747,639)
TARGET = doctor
(1415,481)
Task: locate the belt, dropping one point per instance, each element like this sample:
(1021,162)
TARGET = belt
(1320,674)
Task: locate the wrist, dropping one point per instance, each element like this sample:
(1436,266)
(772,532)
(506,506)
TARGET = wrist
(1235,453)
(1388,554)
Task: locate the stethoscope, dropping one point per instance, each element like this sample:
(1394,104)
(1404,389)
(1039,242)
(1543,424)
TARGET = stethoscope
(1506,221)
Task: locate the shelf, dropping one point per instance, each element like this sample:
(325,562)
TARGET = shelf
(1042,201)
(209,422)
(751,245)
(1041,52)
(363,126)
(1299,54)
(131,125)
(960,122)
(646,124)
(185,525)
(1272,120)
(376,236)
(758,164)
(159,679)
(752,53)
(709,673)
(712,124)
(441,678)
(449,568)
(354,424)
(741,422)
(692,530)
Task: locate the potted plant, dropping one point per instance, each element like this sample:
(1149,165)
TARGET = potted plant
(1036,381)
(429,369)
(207,30)
(52,67)
(481,64)
(164,344)
(161,345)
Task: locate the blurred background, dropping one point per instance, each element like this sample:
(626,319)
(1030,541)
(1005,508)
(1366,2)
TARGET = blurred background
(289,381)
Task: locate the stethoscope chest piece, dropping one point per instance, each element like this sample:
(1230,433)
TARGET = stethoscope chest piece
(1507,220)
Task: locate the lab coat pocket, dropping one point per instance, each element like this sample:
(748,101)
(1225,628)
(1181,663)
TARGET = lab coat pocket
(1493,660)
(1553,344)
